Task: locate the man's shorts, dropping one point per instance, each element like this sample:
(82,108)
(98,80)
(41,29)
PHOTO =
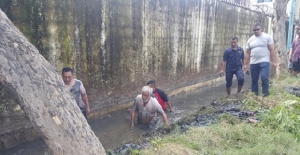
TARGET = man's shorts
(239,75)
(296,65)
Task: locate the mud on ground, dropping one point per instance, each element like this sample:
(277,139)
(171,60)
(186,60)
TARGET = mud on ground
(218,110)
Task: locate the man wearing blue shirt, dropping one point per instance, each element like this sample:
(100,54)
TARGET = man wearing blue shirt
(233,59)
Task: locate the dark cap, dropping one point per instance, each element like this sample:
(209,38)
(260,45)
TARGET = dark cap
(151,82)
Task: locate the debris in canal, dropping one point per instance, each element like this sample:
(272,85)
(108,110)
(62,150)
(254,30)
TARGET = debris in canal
(207,115)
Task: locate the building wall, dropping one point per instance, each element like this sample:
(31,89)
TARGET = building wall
(296,11)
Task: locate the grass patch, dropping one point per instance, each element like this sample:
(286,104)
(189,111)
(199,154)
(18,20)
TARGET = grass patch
(277,133)
(224,138)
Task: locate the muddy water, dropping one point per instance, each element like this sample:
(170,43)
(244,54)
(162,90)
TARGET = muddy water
(113,130)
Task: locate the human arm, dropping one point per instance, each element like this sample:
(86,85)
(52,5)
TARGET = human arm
(272,55)
(84,98)
(223,63)
(246,59)
(169,104)
(165,118)
(164,97)
(242,57)
(161,111)
(132,112)
(289,52)
(222,67)
(291,55)
(86,102)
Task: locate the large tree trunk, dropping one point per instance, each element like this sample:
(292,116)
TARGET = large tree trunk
(40,92)
(280,34)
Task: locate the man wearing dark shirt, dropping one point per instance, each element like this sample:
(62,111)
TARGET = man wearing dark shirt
(233,59)
(160,95)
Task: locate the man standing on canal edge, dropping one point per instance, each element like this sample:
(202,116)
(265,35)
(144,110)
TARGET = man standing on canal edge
(77,89)
(295,52)
(233,59)
(146,108)
(259,50)
(160,95)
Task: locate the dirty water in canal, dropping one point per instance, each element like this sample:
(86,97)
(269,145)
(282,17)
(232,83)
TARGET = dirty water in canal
(115,134)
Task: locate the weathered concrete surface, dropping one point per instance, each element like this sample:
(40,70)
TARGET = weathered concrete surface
(116,46)
(41,93)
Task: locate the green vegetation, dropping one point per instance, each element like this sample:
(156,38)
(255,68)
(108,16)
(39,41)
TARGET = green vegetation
(276,133)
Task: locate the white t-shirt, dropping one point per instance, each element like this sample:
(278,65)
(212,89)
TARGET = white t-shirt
(148,112)
(259,48)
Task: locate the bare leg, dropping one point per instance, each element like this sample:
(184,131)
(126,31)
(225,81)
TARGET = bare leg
(228,89)
(239,89)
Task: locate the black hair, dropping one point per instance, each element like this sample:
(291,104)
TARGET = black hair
(67,69)
(235,38)
(151,82)
(257,24)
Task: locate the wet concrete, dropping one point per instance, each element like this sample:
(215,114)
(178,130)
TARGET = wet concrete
(113,130)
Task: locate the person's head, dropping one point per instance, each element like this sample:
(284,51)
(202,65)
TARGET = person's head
(234,42)
(151,84)
(67,75)
(297,29)
(146,93)
(257,29)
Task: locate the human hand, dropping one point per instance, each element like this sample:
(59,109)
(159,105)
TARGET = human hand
(221,72)
(88,111)
(245,68)
(274,65)
(247,72)
(171,110)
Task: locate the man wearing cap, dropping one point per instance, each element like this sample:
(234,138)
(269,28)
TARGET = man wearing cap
(146,108)
(160,95)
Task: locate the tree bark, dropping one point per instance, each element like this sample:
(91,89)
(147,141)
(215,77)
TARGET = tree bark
(279,35)
(40,92)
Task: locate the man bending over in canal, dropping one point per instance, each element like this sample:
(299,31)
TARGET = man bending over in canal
(77,89)
(146,108)
(160,95)
(233,59)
